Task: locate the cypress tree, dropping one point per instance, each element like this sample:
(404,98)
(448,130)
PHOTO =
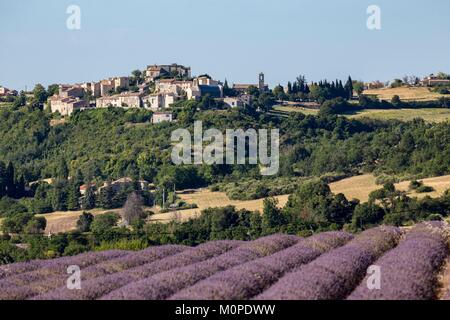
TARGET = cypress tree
(2,179)
(73,196)
(89,198)
(9,181)
(349,88)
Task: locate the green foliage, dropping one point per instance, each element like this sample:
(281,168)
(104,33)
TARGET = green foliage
(16,223)
(84,222)
(366,215)
(104,223)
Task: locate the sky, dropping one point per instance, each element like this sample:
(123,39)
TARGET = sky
(232,39)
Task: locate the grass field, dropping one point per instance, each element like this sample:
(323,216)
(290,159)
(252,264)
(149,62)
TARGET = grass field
(428,114)
(205,198)
(360,187)
(306,111)
(405,94)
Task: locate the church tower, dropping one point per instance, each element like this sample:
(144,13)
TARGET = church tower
(262,85)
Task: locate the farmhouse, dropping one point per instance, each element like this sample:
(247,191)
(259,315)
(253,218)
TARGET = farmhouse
(159,117)
(434,81)
(6,92)
(373,85)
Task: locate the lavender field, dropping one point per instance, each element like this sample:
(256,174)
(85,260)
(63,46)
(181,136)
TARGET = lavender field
(412,265)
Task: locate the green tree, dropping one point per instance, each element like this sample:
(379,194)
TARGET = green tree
(104,223)
(349,87)
(272,216)
(89,197)
(84,222)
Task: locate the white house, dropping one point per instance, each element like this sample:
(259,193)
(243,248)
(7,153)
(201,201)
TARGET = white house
(159,117)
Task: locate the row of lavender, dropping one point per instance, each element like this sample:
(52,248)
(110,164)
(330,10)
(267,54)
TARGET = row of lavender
(409,272)
(326,266)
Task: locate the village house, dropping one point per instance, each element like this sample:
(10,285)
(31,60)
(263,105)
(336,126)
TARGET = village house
(123,100)
(155,71)
(125,182)
(6,92)
(373,85)
(158,101)
(159,117)
(68,100)
(84,187)
(66,106)
(434,81)
(233,102)
(70,91)
(106,86)
(92,87)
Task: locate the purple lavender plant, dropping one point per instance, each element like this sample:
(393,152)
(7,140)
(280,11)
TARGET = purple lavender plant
(409,272)
(94,287)
(163,285)
(249,279)
(333,275)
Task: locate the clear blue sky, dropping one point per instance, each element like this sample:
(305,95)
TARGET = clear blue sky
(233,39)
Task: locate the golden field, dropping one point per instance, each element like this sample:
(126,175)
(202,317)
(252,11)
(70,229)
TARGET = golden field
(405,93)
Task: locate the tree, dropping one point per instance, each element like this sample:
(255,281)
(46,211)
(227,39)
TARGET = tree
(16,223)
(73,196)
(9,181)
(366,215)
(132,212)
(52,89)
(35,226)
(59,195)
(349,87)
(62,170)
(20,101)
(106,196)
(84,222)
(2,179)
(396,100)
(39,94)
(104,223)
(272,216)
(137,77)
(89,197)
(358,86)
(278,91)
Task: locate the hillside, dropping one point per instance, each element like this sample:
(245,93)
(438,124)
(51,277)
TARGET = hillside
(326,266)
(357,187)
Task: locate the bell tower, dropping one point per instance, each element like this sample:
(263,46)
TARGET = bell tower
(261,82)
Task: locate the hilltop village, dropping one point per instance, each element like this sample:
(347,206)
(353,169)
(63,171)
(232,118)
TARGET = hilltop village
(156,89)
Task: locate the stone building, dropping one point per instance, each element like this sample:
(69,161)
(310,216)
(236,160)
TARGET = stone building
(168,70)
(159,117)
(123,100)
